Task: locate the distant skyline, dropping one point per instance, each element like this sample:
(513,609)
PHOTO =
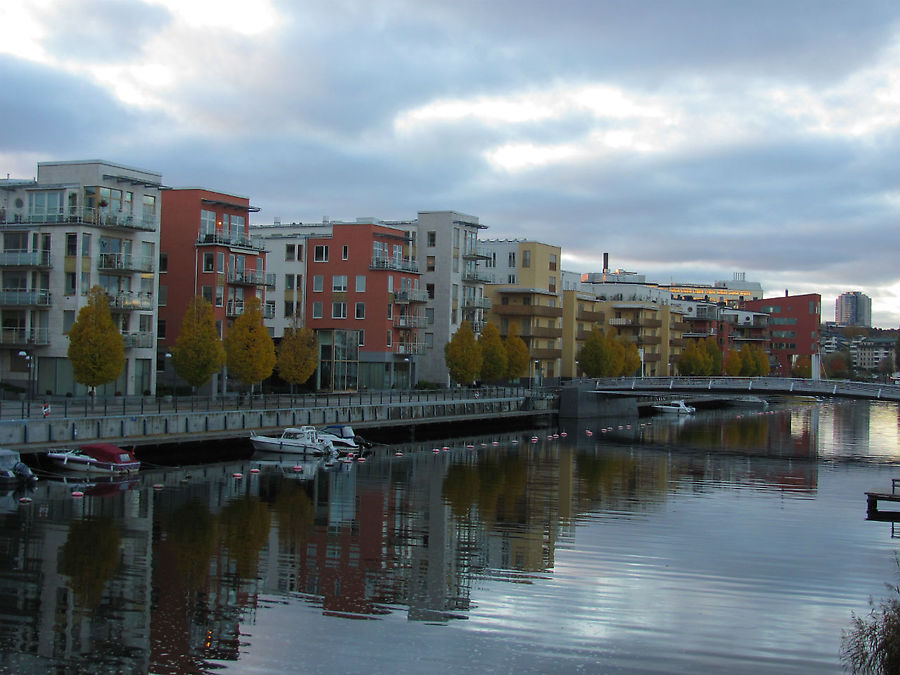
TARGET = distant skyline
(690,140)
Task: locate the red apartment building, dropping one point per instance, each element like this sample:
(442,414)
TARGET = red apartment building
(794,325)
(206,249)
(364,302)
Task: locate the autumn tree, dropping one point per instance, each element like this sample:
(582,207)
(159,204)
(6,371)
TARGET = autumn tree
(695,360)
(836,365)
(249,350)
(601,356)
(733,363)
(802,367)
(516,354)
(96,347)
(298,355)
(632,361)
(715,355)
(493,354)
(198,353)
(462,355)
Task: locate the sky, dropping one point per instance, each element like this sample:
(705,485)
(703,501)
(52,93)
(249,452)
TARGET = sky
(690,140)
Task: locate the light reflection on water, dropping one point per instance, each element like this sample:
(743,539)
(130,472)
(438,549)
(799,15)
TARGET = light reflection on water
(732,541)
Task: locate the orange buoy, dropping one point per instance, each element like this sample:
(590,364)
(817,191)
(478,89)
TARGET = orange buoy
(24,500)
(237,475)
(254,470)
(78,493)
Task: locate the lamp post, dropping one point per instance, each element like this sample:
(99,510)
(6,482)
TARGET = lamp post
(537,373)
(29,362)
(167,362)
(408,372)
(577,375)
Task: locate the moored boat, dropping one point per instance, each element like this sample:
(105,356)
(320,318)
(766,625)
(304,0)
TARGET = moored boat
(304,440)
(13,469)
(678,407)
(342,437)
(104,458)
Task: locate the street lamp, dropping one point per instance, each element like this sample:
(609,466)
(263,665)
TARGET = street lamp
(577,363)
(29,362)
(408,372)
(537,373)
(166,363)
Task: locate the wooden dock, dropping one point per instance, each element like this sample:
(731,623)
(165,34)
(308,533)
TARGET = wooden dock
(872,499)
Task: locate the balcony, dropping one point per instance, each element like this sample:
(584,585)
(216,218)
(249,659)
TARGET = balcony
(528,310)
(477,277)
(395,264)
(251,278)
(17,298)
(25,259)
(649,340)
(478,253)
(122,262)
(130,301)
(408,322)
(542,332)
(100,217)
(545,354)
(22,337)
(590,317)
(414,295)
(138,340)
(237,241)
(476,303)
(408,348)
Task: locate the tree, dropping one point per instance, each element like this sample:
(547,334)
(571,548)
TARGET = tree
(462,355)
(733,363)
(96,347)
(802,367)
(298,355)
(836,365)
(715,355)
(516,354)
(198,353)
(601,356)
(249,351)
(493,354)
(695,360)
(632,362)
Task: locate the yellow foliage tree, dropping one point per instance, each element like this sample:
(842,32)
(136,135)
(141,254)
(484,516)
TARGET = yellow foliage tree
(96,347)
(298,355)
(462,355)
(493,354)
(516,354)
(249,350)
(198,353)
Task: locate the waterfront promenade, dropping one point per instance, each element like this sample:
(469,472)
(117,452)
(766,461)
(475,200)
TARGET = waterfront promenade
(144,421)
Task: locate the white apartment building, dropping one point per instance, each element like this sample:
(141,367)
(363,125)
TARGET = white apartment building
(77,225)
(452,266)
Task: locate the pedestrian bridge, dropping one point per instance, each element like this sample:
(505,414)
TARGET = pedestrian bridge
(757,385)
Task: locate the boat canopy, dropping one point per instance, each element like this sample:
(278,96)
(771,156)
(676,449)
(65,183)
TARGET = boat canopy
(107,452)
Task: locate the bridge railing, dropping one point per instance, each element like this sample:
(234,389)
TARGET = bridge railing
(779,385)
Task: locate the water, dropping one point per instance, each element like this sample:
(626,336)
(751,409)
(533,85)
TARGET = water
(733,541)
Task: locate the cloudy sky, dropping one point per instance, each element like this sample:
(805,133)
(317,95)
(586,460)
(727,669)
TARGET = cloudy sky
(688,139)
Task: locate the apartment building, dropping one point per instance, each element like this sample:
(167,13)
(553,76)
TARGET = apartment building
(527,293)
(794,325)
(77,225)
(853,309)
(207,250)
(730,293)
(452,263)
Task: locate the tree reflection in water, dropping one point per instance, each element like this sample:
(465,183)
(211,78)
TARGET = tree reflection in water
(90,558)
(193,531)
(245,524)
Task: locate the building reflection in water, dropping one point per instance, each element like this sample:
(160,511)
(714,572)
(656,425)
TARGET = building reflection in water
(160,574)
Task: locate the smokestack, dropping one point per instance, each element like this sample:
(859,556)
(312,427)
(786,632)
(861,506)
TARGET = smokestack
(605,262)
(785,292)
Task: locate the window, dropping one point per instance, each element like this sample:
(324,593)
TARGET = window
(429,288)
(360,310)
(551,284)
(70,283)
(220,295)
(71,243)
(338,310)
(321,253)
(207,224)
(512,279)
(526,258)
(361,283)
(317,310)
(161,329)
(512,259)
(431,239)
(390,314)
(388,340)
(290,252)
(163,262)
(288,282)
(299,252)
(429,340)
(207,292)
(390,284)
(429,315)
(288,308)
(318,283)
(345,252)
(86,245)
(339,283)
(429,263)
(362,338)
(163,295)
(553,262)
(220,262)
(209,261)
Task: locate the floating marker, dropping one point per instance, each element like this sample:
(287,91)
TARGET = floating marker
(588,432)
(237,475)
(563,434)
(24,500)
(361,459)
(254,470)
(398,454)
(158,486)
(78,493)
(298,469)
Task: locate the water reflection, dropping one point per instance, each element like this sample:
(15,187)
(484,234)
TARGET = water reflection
(164,573)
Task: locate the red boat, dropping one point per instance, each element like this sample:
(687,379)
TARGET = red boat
(103,458)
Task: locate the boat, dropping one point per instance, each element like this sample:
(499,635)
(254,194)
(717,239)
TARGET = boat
(304,440)
(678,407)
(342,437)
(13,469)
(751,402)
(103,458)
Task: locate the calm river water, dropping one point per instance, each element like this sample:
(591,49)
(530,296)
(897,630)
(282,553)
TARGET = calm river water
(731,541)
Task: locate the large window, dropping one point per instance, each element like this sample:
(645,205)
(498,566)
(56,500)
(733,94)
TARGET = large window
(317,310)
(290,252)
(360,310)
(209,261)
(360,283)
(321,253)
(339,283)
(431,238)
(318,283)
(207,223)
(338,310)
(526,258)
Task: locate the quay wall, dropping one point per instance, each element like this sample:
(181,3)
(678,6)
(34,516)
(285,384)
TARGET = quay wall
(39,434)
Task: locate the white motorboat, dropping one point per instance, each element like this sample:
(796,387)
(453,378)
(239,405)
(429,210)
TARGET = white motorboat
(675,408)
(342,437)
(104,458)
(304,440)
